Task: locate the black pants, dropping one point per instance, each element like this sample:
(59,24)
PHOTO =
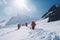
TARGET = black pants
(33,27)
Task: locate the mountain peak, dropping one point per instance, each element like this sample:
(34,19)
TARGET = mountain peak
(20,19)
(53,13)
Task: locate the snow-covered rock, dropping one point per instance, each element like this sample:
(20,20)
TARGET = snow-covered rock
(53,13)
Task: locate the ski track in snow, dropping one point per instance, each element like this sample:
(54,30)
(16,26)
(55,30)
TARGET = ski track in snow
(25,33)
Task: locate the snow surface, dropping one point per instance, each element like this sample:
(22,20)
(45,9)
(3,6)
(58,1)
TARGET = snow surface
(43,31)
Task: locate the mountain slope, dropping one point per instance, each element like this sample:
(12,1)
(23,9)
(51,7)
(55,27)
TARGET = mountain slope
(43,31)
(53,13)
(20,19)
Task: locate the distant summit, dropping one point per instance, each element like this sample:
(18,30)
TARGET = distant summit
(20,19)
(53,13)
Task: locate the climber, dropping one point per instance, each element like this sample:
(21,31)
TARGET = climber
(19,25)
(26,24)
(33,24)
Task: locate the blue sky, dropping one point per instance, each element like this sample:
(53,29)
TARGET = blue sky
(33,8)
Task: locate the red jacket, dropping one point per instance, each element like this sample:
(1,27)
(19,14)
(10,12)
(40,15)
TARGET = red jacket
(18,26)
(33,24)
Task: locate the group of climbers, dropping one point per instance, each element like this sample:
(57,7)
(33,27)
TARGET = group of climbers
(33,24)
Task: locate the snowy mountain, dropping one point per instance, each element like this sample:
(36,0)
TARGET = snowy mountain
(53,13)
(43,31)
(20,19)
(2,22)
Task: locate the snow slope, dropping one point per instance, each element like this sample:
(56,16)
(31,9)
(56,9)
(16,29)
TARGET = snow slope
(43,31)
(52,26)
